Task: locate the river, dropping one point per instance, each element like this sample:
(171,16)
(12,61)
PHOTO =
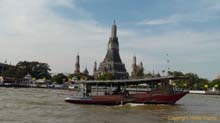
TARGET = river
(29,105)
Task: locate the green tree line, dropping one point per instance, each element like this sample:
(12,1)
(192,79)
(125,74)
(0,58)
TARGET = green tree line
(194,81)
(36,69)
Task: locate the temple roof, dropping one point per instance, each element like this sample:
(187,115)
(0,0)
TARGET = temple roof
(86,71)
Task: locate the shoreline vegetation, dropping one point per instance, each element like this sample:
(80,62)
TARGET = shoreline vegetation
(39,74)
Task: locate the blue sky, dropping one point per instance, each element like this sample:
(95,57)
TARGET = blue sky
(53,31)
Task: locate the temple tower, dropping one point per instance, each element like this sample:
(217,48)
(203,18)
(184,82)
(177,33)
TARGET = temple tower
(137,70)
(141,65)
(134,64)
(77,65)
(95,68)
(86,72)
(112,62)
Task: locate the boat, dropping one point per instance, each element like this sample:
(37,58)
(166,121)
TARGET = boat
(118,92)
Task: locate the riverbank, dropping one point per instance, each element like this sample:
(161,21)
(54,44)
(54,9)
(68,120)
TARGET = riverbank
(40,87)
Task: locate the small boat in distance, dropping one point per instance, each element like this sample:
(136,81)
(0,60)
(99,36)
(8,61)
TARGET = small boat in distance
(118,92)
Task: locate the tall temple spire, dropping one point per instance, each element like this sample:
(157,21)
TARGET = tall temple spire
(113,40)
(114,30)
(134,64)
(141,65)
(134,60)
(95,70)
(77,65)
(112,62)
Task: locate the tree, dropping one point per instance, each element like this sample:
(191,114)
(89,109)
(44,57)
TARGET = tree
(137,72)
(147,75)
(178,83)
(80,76)
(106,76)
(175,73)
(35,69)
(59,78)
(10,72)
(215,83)
(202,83)
(193,81)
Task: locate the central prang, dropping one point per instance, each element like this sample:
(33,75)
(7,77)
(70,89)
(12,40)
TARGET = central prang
(112,63)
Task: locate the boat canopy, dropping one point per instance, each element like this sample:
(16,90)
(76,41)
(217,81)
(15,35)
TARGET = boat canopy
(132,81)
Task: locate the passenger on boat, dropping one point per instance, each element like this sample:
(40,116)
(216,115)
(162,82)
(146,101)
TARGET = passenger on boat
(107,93)
(117,91)
(125,93)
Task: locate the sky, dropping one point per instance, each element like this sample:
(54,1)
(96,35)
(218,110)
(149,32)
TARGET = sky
(54,31)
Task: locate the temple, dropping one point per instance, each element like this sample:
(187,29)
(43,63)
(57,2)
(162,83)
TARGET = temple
(137,70)
(112,62)
(77,65)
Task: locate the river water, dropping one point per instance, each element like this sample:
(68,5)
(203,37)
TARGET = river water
(48,106)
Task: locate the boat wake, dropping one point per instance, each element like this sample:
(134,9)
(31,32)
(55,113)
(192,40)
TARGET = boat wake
(135,104)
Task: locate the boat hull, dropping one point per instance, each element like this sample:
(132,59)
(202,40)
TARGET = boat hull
(98,100)
(157,98)
(144,98)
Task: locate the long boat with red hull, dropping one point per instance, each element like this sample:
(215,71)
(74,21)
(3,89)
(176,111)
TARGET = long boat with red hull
(158,95)
(136,98)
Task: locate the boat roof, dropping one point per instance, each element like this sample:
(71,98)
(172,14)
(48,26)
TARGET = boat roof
(131,81)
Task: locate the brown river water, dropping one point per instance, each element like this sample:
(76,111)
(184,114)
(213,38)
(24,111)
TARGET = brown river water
(47,106)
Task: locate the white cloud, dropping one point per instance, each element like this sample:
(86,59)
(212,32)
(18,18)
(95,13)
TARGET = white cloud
(203,11)
(212,5)
(189,39)
(178,18)
(31,30)
(168,20)
(65,3)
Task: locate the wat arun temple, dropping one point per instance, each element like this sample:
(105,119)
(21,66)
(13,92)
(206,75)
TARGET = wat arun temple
(112,62)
